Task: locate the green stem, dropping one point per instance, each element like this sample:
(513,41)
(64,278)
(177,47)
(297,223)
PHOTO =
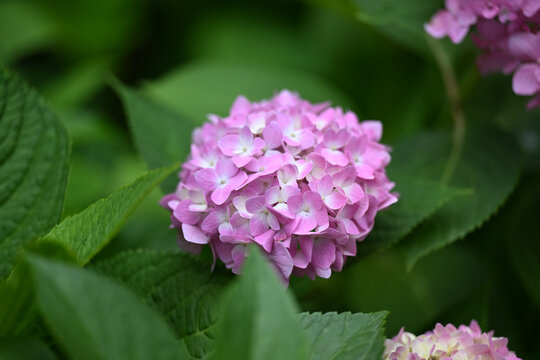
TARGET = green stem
(456,109)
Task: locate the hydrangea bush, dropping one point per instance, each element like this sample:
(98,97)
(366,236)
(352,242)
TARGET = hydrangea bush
(448,343)
(303,181)
(507,33)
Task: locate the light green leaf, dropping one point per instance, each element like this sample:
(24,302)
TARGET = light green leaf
(34,151)
(210,88)
(93,317)
(177,285)
(489,166)
(345,336)
(259,318)
(22,348)
(419,198)
(89,231)
(161,136)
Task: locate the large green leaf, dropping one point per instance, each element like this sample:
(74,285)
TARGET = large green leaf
(259,318)
(210,88)
(22,348)
(489,165)
(34,152)
(93,317)
(161,136)
(89,231)
(177,285)
(345,336)
(419,198)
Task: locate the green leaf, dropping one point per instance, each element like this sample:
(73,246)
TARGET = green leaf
(24,27)
(419,198)
(489,165)
(401,20)
(93,317)
(259,318)
(210,88)
(34,151)
(28,349)
(89,231)
(520,231)
(177,285)
(161,136)
(345,336)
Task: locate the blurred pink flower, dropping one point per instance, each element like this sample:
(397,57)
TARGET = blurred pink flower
(507,34)
(448,343)
(302,181)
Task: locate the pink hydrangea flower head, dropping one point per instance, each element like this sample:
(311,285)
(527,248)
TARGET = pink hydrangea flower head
(507,33)
(302,181)
(448,343)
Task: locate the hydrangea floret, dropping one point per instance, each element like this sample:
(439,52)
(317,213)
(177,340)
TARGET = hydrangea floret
(448,343)
(508,33)
(302,181)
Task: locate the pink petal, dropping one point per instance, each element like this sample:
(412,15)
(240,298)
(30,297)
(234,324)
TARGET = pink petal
(242,160)
(373,129)
(211,223)
(525,46)
(295,203)
(272,135)
(354,193)
(228,144)
(524,81)
(287,175)
(273,195)
(258,224)
(245,137)
(194,235)
(184,215)
(305,139)
(282,260)
(273,221)
(256,204)
(350,227)
(241,106)
(439,24)
(324,253)
(335,201)
(313,200)
(302,257)
(220,194)
(257,122)
(225,168)
(306,223)
(325,185)
(207,179)
(238,181)
(335,157)
(266,240)
(257,145)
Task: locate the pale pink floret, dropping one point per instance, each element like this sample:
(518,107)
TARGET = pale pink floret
(448,343)
(302,181)
(508,34)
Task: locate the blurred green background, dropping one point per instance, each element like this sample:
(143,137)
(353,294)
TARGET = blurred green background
(69,50)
